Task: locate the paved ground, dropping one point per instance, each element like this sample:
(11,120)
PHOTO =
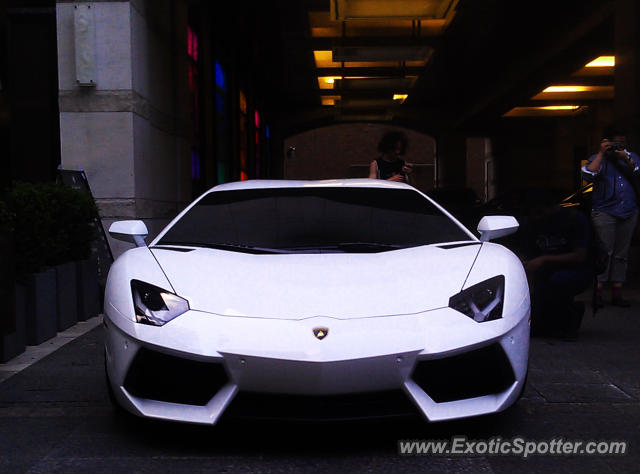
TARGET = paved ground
(55,417)
(33,354)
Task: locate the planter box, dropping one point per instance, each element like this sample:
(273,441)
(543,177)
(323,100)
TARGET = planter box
(88,289)
(12,315)
(67,301)
(13,344)
(42,322)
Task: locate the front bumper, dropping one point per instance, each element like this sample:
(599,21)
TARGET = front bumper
(359,356)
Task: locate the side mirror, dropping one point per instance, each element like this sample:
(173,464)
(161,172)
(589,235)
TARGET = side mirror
(129,231)
(493,227)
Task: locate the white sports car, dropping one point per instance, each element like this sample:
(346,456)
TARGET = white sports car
(316,299)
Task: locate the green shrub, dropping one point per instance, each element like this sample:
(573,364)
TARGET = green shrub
(7,274)
(74,230)
(53,225)
(6,218)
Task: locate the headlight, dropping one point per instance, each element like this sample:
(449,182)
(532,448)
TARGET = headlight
(154,305)
(481,302)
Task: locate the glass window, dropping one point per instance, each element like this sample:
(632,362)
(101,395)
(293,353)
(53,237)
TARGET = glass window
(313,220)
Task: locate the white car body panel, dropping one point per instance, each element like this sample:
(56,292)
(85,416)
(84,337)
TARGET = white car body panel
(255,315)
(301,286)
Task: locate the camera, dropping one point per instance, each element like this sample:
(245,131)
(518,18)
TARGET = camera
(610,151)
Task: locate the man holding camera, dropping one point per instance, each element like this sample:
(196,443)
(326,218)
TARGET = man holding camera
(614,172)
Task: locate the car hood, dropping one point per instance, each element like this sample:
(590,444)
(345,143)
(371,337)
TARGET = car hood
(337,285)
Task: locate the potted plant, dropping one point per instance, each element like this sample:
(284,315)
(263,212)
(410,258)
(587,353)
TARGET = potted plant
(54,229)
(74,215)
(12,315)
(36,280)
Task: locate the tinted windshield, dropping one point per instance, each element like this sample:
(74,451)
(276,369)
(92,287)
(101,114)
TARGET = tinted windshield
(312,220)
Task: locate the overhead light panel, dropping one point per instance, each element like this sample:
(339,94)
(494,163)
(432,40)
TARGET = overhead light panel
(330,99)
(547,110)
(342,10)
(572,92)
(325,59)
(557,89)
(327,82)
(558,107)
(381,53)
(603,61)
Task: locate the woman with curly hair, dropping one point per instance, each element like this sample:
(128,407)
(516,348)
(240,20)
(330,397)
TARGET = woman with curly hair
(389,165)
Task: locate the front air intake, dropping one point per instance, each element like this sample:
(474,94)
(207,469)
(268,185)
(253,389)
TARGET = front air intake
(484,371)
(157,376)
(387,404)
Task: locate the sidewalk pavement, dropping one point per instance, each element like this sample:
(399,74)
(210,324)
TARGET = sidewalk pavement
(33,354)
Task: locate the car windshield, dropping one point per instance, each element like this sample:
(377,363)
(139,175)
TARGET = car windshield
(313,220)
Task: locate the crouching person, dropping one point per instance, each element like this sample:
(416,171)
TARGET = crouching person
(555,244)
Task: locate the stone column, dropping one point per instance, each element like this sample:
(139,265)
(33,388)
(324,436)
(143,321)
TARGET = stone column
(451,161)
(480,166)
(627,75)
(129,131)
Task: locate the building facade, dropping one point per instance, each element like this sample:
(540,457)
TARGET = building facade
(159,100)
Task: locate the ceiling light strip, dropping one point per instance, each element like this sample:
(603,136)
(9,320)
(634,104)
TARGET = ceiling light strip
(602,61)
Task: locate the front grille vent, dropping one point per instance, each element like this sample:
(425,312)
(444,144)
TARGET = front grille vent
(157,376)
(484,371)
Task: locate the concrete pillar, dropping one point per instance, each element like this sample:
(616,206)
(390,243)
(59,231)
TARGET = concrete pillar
(627,70)
(451,165)
(130,131)
(480,167)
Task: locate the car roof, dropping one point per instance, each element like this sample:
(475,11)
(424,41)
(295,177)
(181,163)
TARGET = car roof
(327,183)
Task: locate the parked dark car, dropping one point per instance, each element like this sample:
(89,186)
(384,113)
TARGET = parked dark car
(581,199)
(519,201)
(463,203)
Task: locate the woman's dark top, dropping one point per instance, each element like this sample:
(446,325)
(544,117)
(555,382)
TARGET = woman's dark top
(386,169)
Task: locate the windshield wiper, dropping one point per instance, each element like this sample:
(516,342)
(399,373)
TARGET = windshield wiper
(346,247)
(369,245)
(349,247)
(226,246)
